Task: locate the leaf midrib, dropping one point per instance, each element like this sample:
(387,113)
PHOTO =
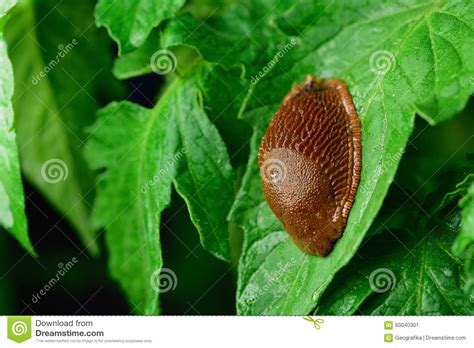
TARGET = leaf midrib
(154,116)
(222,244)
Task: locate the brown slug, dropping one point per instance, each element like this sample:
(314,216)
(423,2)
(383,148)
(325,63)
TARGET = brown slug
(310,161)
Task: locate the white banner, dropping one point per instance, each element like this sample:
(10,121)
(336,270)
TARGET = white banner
(238,332)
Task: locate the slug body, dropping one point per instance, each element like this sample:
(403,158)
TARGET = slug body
(309,159)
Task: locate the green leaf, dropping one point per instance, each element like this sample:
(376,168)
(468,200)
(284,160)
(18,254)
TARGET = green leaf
(133,144)
(224,92)
(144,152)
(137,62)
(464,243)
(129,22)
(228,47)
(409,269)
(386,114)
(370,47)
(58,90)
(462,193)
(402,273)
(206,182)
(12,204)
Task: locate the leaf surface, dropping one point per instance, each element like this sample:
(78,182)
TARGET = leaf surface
(129,22)
(403,274)
(137,62)
(12,202)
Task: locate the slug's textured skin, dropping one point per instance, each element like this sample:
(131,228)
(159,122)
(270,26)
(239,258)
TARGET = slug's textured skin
(309,161)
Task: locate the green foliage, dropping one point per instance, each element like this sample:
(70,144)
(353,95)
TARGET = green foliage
(129,22)
(57,92)
(145,151)
(462,194)
(232,71)
(406,271)
(464,243)
(388,84)
(137,62)
(425,279)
